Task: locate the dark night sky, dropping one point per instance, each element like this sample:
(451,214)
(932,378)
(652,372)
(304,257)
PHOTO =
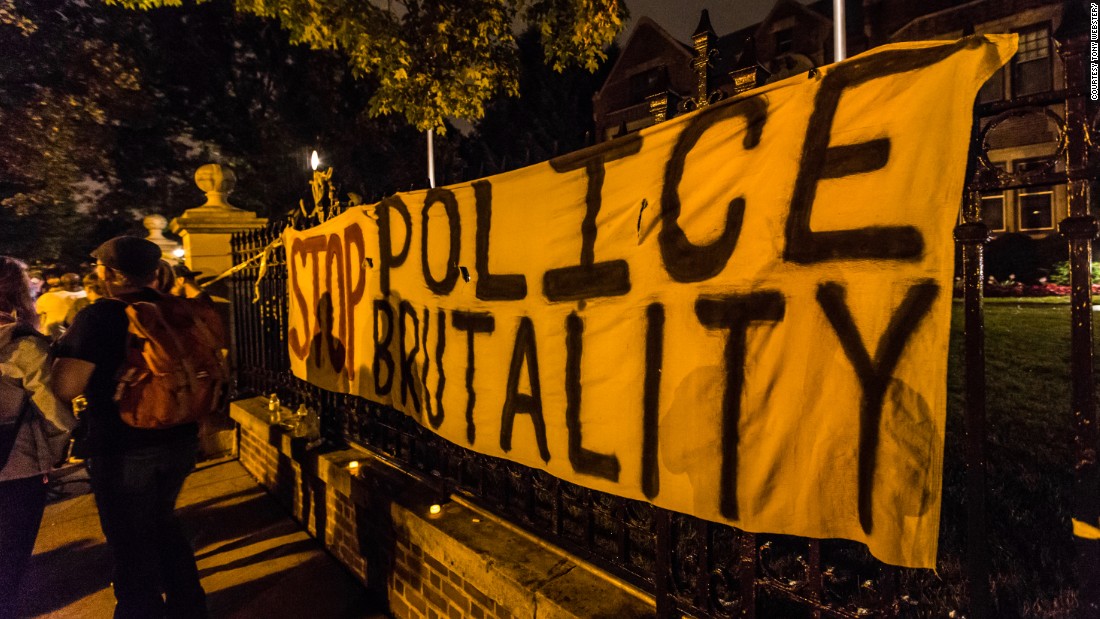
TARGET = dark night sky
(680,17)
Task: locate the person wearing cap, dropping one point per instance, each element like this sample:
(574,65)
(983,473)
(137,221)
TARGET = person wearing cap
(136,473)
(186,284)
(54,306)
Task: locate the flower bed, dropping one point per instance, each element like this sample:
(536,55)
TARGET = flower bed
(1016,289)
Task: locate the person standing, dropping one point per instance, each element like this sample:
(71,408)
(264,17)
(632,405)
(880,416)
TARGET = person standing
(36,428)
(186,284)
(165,277)
(136,473)
(93,291)
(54,306)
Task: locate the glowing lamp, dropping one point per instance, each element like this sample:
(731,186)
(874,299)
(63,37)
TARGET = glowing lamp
(435,509)
(314,161)
(178,253)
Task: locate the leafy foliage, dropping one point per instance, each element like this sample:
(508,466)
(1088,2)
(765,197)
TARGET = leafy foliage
(1059,274)
(108,112)
(57,104)
(1025,258)
(433,60)
(552,115)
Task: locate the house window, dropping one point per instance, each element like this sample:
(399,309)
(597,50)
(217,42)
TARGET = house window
(784,41)
(1036,165)
(993,211)
(1031,71)
(992,204)
(994,88)
(1036,208)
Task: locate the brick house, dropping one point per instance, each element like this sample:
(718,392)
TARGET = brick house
(657,77)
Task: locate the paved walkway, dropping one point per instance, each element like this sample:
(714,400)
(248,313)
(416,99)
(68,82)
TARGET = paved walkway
(254,560)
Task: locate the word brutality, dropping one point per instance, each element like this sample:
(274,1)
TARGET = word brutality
(687,353)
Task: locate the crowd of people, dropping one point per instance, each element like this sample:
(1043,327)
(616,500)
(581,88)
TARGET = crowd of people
(67,340)
(58,299)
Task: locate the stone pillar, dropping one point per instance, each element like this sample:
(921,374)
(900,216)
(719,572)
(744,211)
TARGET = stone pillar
(156,224)
(206,230)
(705,43)
(659,106)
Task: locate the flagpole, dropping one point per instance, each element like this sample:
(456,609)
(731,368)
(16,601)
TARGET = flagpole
(840,51)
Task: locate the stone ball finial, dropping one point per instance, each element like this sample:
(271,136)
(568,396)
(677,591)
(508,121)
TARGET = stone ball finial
(217,182)
(155,224)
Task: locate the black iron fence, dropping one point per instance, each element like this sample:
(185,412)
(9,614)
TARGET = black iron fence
(710,570)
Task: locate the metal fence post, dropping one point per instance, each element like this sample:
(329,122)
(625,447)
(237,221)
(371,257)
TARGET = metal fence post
(972,234)
(662,569)
(1080,228)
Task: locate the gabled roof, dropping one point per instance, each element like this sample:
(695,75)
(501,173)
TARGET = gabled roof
(732,47)
(645,24)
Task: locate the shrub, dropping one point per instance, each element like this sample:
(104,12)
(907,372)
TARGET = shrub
(1059,274)
(1012,254)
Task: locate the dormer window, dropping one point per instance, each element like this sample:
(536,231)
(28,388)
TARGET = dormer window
(648,82)
(784,41)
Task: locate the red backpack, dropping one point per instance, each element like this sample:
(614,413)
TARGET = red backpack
(175,371)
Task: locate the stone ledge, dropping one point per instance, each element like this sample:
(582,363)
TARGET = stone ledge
(521,574)
(205,219)
(525,575)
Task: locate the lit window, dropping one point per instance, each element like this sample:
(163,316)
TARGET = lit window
(1031,72)
(1036,206)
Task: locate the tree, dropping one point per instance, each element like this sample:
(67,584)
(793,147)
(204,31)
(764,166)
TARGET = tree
(434,59)
(108,112)
(552,115)
(57,103)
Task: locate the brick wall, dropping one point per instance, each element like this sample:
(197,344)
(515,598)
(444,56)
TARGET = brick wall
(458,563)
(340,538)
(421,586)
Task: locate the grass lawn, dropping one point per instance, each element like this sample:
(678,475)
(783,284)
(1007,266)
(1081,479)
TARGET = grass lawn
(1030,451)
